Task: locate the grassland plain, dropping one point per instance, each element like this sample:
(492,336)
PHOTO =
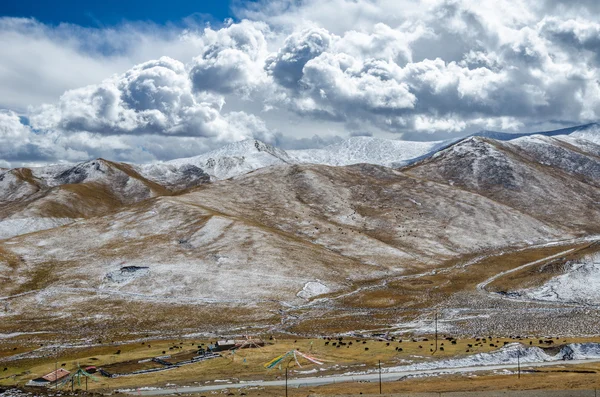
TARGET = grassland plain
(248,364)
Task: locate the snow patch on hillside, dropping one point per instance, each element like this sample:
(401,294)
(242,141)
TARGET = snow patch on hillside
(127,274)
(236,158)
(13,188)
(210,232)
(15,227)
(356,150)
(312,289)
(579,284)
(509,354)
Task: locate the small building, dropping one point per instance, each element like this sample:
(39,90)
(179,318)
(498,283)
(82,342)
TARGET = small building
(226,344)
(49,379)
(57,375)
(229,344)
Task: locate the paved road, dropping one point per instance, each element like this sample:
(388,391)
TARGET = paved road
(371,377)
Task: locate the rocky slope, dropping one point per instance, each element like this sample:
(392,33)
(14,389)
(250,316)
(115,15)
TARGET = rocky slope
(543,177)
(41,198)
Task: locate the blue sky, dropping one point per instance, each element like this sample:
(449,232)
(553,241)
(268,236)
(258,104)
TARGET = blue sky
(112,12)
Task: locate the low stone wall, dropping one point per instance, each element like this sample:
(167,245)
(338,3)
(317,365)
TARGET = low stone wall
(167,366)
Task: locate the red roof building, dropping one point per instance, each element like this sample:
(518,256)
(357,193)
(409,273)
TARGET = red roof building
(56,375)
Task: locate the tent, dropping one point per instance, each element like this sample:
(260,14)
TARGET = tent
(76,377)
(292,354)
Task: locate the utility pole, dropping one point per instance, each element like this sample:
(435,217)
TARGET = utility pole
(286,381)
(379,376)
(436,332)
(519,363)
(56,367)
(286,376)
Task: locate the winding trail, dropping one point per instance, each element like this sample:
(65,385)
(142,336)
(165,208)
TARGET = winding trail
(481,286)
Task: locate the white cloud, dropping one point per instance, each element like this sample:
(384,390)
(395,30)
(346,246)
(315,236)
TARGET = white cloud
(385,67)
(345,84)
(232,59)
(40,62)
(154,97)
(286,66)
(20,145)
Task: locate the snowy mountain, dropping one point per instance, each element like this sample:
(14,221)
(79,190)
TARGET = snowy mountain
(573,156)
(251,230)
(540,176)
(239,158)
(251,244)
(587,131)
(41,198)
(231,160)
(356,150)
(245,156)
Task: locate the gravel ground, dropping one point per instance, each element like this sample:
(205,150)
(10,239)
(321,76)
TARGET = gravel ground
(496,316)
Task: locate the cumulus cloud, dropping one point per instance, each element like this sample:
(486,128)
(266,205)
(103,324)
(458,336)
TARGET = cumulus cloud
(154,97)
(345,85)
(40,62)
(20,145)
(232,59)
(426,69)
(287,66)
(459,64)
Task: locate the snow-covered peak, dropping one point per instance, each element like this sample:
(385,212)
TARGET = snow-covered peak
(242,157)
(386,152)
(246,148)
(477,163)
(572,155)
(589,133)
(89,171)
(173,176)
(474,145)
(236,158)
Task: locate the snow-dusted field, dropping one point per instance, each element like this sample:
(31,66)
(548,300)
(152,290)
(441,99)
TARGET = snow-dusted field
(14,227)
(260,227)
(509,354)
(579,284)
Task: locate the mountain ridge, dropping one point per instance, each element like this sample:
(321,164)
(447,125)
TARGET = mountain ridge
(242,249)
(42,197)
